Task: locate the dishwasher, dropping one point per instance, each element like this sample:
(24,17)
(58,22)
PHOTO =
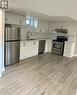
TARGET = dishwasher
(41,46)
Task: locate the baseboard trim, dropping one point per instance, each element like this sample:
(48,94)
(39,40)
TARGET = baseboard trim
(3,70)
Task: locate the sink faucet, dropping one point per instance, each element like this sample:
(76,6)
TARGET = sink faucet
(28,34)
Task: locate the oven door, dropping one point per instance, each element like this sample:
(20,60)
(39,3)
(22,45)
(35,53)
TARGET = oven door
(57,47)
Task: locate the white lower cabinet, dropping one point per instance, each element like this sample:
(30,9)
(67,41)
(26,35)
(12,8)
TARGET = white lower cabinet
(69,49)
(48,46)
(28,49)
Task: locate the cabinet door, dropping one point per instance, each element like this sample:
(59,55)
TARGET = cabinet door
(9,18)
(33,48)
(23,18)
(48,46)
(15,19)
(28,49)
(69,49)
(22,50)
(18,20)
(43,26)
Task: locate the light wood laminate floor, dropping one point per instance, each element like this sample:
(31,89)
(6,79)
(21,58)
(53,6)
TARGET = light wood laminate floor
(46,74)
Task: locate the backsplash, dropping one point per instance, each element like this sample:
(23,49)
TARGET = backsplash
(36,35)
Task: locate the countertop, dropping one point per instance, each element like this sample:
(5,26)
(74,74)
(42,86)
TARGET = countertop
(35,39)
(69,41)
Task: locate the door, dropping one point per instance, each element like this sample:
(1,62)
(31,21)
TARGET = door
(12,52)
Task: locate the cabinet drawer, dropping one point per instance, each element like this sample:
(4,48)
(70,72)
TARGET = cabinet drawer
(67,49)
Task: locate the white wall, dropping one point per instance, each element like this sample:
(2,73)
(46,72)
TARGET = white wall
(1,41)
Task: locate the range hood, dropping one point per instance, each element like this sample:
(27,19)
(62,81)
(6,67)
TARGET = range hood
(61,30)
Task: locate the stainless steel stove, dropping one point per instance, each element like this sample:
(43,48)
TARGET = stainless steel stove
(58,45)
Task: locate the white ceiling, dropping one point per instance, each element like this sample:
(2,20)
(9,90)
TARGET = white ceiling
(42,16)
(52,10)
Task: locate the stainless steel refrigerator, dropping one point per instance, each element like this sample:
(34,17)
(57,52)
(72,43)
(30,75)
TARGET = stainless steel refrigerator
(12,44)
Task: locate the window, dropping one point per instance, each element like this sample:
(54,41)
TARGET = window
(32,22)
(27,21)
(35,23)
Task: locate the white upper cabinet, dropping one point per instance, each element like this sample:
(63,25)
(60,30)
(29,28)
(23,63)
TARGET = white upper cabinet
(43,26)
(71,27)
(54,26)
(9,18)
(19,20)
(15,19)
(35,25)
